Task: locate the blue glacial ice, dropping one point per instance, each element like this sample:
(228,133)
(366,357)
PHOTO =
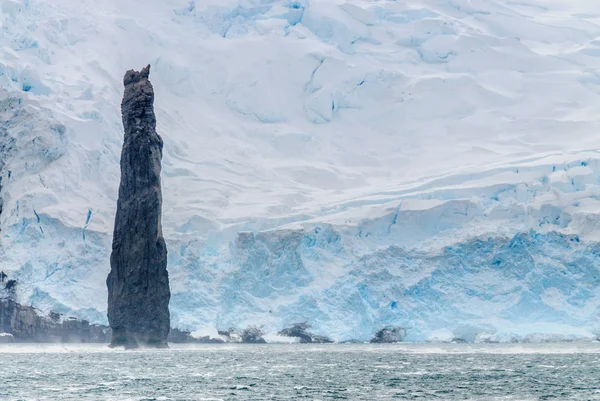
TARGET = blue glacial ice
(352,164)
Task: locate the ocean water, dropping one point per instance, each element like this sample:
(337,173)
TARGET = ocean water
(302,372)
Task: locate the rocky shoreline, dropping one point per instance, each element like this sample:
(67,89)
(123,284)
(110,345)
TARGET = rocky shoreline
(26,324)
(20,323)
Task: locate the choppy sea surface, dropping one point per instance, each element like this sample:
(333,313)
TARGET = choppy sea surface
(302,372)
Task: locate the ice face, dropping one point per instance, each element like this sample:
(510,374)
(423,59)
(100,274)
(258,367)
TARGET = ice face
(352,164)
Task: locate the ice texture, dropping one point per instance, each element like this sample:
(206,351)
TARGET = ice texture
(352,164)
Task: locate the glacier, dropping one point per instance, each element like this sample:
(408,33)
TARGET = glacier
(430,164)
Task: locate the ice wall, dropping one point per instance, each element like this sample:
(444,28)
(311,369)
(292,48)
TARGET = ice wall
(429,164)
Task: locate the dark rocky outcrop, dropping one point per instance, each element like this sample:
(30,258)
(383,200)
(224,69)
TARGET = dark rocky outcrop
(300,330)
(231,335)
(27,324)
(11,287)
(185,337)
(389,334)
(179,336)
(253,335)
(8,288)
(250,335)
(138,282)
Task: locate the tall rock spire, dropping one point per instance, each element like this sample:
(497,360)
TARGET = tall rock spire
(138,282)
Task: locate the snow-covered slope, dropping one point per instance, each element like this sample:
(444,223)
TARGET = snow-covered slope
(432,164)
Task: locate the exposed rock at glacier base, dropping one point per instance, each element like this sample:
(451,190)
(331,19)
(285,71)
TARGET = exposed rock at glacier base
(27,324)
(389,334)
(300,331)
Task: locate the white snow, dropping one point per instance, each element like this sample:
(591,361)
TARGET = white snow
(363,147)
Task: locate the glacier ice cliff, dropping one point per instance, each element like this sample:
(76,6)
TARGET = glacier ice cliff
(351,164)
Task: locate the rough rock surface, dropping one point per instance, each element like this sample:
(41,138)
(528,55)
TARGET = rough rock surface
(185,337)
(20,323)
(253,335)
(138,282)
(250,335)
(389,334)
(300,331)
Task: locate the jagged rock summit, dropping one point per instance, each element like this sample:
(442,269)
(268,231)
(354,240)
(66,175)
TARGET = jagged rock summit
(138,282)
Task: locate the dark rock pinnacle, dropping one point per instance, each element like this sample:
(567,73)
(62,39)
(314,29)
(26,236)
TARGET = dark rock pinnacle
(138,282)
